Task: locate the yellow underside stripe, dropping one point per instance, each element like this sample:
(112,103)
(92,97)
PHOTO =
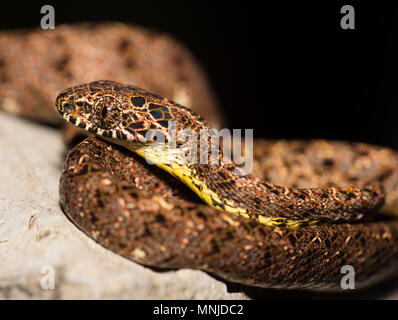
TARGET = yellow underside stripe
(182,172)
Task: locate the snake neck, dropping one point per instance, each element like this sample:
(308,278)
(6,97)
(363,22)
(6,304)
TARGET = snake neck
(223,187)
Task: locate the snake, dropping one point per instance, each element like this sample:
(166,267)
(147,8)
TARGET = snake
(120,188)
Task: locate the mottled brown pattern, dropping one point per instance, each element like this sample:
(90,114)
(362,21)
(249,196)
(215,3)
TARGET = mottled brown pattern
(36,64)
(159,229)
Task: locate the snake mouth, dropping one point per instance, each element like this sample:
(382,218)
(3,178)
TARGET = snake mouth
(116,135)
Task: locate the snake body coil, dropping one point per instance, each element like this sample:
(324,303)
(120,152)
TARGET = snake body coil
(253,231)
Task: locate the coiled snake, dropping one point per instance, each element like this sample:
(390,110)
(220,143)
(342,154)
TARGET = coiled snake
(251,231)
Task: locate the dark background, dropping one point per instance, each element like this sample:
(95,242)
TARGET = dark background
(286,69)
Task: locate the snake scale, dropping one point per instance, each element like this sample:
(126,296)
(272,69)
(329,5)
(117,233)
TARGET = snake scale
(251,231)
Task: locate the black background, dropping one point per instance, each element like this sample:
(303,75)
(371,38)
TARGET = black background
(286,69)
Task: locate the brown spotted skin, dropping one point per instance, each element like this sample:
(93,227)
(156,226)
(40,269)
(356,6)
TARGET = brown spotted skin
(103,191)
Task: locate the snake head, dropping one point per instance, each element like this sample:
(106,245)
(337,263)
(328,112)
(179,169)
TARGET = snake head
(91,109)
(122,112)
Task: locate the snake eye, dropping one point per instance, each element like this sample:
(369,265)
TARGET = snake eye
(68,107)
(104,111)
(107,112)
